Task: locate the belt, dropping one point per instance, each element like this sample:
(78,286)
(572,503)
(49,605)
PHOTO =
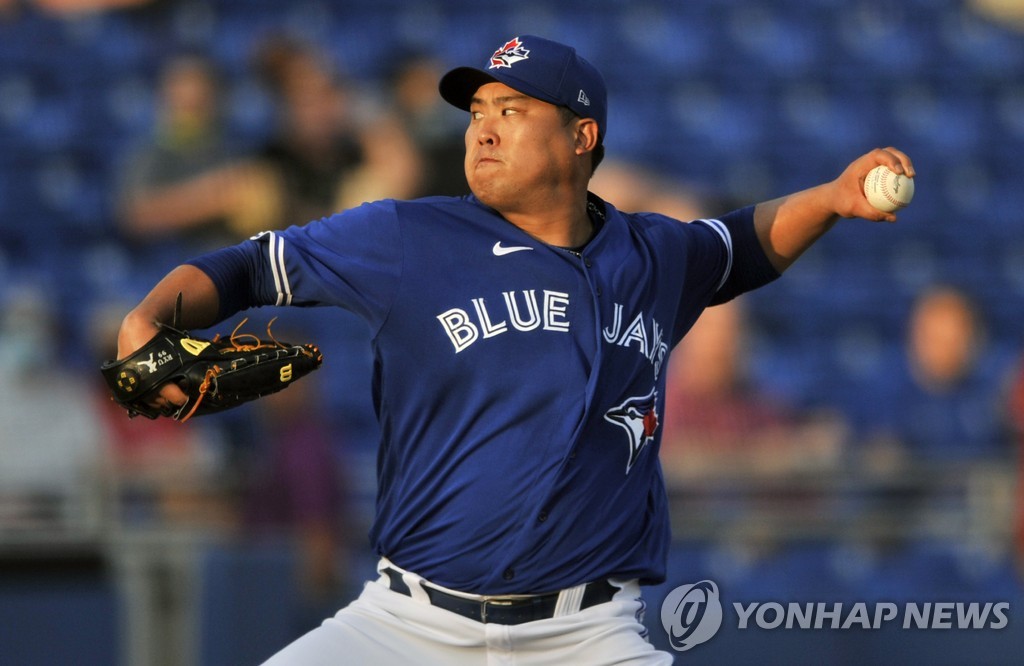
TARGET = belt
(503,610)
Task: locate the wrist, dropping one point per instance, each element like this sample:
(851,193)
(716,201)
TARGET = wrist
(137,328)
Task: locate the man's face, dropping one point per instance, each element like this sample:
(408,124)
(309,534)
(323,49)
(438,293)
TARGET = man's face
(518,148)
(943,337)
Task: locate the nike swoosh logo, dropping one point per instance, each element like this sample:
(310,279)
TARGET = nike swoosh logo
(500,251)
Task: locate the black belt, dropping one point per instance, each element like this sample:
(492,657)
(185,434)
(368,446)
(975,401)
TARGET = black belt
(503,610)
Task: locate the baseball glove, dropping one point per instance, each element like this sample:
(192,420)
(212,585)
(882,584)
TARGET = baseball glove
(215,374)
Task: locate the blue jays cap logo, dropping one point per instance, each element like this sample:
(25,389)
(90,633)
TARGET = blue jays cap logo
(555,74)
(509,54)
(638,416)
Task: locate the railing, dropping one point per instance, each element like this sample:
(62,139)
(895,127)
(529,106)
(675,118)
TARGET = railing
(972,501)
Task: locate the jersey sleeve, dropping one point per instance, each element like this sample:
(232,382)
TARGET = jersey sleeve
(723,258)
(747,266)
(351,260)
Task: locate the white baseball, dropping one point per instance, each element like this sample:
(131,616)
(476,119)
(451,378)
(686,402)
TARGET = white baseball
(887,190)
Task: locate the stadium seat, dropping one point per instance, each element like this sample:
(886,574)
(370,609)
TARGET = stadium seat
(977,45)
(772,42)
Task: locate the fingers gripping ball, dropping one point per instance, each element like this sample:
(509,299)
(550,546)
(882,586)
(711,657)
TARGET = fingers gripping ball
(887,190)
(215,374)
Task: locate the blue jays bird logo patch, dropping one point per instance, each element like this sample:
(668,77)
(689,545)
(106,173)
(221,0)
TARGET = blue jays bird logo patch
(509,54)
(639,418)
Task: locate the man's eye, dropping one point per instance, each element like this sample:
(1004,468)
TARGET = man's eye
(506,112)
(475,115)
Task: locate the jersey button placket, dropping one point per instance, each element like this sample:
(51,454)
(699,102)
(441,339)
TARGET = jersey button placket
(588,263)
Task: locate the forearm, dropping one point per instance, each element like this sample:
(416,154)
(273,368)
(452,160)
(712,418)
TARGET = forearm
(787,226)
(196,201)
(200,304)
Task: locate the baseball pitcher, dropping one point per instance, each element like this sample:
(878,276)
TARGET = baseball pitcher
(520,337)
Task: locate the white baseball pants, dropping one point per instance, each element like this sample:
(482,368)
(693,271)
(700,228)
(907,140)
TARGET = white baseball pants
(383,627)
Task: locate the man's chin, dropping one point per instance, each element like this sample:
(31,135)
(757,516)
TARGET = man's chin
(486,191)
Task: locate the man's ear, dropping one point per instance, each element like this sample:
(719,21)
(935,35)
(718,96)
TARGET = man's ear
(586,135)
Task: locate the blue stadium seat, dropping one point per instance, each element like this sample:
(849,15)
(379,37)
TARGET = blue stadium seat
(672,39)
(950,118)
(768,42)
(1008,111)
(233,49)
(1010,260)
(49,127)
(120,47)
(826,119)
(129,106)
(708,120)
(864,35)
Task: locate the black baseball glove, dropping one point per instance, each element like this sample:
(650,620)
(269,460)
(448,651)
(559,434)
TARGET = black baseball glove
(215,374)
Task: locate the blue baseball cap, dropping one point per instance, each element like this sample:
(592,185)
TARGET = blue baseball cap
(537,67)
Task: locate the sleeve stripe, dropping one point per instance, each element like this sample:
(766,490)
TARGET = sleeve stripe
(286,284)
(722,231)
(271,246)
(275,250)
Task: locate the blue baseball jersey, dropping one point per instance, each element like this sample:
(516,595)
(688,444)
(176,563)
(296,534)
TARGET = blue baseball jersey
(519,386)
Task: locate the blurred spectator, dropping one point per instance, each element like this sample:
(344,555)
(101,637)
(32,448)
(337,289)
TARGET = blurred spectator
(1010,12)
(8,9)
(437,130)
(719,422)
(1015,411)
(50,443)
(267,468)
(943,401)
(633,187)
(324,157)
(73,7)
(934,437)
(186,181)
(69,8)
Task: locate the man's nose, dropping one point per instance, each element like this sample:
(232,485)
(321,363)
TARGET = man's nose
(486,134)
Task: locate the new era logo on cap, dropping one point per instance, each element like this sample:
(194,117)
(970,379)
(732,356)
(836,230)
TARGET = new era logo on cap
(537,67)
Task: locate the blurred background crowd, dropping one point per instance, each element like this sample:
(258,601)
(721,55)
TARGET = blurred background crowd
(850,432)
